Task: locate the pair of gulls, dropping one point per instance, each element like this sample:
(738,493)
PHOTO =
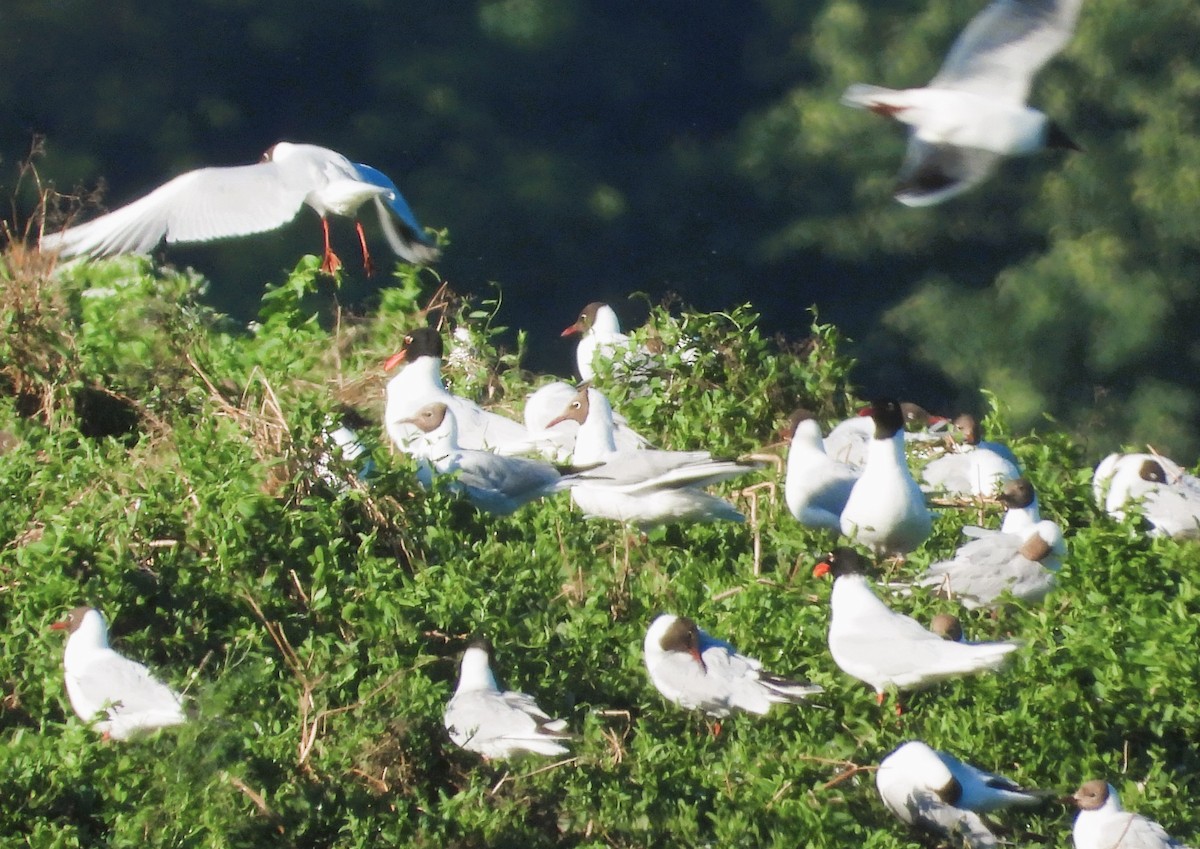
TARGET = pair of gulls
(936,792)
(614,475)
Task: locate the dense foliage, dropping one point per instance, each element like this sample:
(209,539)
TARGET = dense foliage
(586,149)
(164,467)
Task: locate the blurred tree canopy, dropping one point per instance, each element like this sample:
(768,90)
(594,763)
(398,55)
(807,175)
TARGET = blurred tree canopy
(580,149)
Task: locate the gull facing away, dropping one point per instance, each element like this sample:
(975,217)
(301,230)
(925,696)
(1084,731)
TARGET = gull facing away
(886,649)
(700,672)
(497,723)
(492,482)
(816,487)
(983,570)
(116,696)
(221,203)
(936,791)
(420,383)
(1103,824)
(646,486)
(1169,498)
(886,509)
(973,113)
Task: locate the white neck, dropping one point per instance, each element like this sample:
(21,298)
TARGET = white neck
(475,672)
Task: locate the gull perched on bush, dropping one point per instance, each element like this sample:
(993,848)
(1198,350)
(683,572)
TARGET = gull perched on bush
(220,203)
(498,723)
(116,696)
(973,113)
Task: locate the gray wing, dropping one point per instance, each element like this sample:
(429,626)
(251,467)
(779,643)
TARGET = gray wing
(965,827)
(125,687)
(513,476)
(1142,833)
(199,206)
(1004,46)
(932,173)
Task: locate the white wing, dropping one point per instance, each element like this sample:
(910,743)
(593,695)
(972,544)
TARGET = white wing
(199,206)
(126,691)
(1004,46)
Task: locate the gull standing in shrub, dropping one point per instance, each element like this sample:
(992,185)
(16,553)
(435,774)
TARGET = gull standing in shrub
(114,695)
(220,203)
(886,509)
(934,790)
(647,486)
(600,335)
(497,723)
(700,672)
(493,483)
(420,383)
(886,649)
(1103,824)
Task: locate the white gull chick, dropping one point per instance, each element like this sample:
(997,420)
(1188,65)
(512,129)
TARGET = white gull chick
(936,791)
(886,509)
(983,570)
(816,487)
(973,113)
(497,723)
(600,335)
(219,203)
(644,487)
(1103,824)
(886,649)
(493,483)
(116,696)
(1169,498)
(700,672)
(420,383)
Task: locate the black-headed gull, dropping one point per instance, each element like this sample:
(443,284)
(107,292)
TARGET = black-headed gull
(884,648)
(420,383)
(544,406)
(947,626)
(816,487)
(1103,824)
(600,335)
(973,113)
(983,570)
(886,509)
(700,672)
(972,466)
(494,483)
(114,695)
(647,486)
(220,203)
(934,790)
(497,723)
(1169,498)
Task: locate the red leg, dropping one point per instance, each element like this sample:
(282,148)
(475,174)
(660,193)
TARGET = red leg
(368,266)
(329,262)
(879,697)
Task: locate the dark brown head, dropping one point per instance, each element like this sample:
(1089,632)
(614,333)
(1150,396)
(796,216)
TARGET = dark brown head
(585,321)
(947,626)
(888,417)
(429,418)
(968,427)
(1017,493)
(72,622)
(1092,795)
(842,561)
(1152,471)
(576,410)
(682,635)
(422,342)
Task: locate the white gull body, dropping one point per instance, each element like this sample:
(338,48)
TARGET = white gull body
(885,648)
(1103,824)
(886,509)
(558,442)
(974,112)
(816,487)
(420,383)
(116,696)
(497,723)
(1168,497)
(219,203)
(600,336)
(700,672)
(647,486)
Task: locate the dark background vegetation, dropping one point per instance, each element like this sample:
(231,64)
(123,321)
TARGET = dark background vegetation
(589,149)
